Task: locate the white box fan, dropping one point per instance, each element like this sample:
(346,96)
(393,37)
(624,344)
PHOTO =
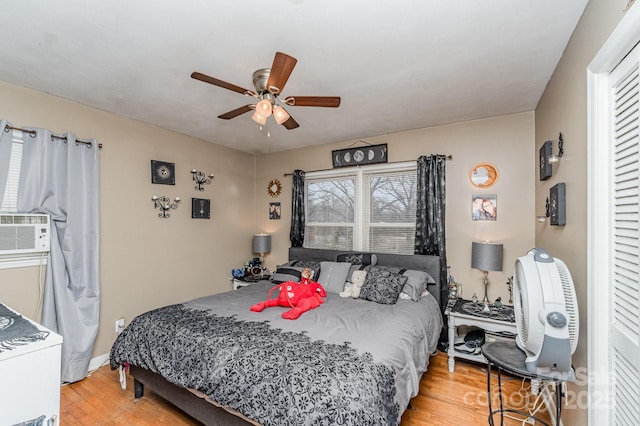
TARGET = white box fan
(546,313)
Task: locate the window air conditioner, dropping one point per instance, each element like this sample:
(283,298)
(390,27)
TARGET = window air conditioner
(24,233)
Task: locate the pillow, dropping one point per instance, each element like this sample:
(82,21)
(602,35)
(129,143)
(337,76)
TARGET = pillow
(286,273)
(417,282)
(382,286)
(313,265)
(358,258)
(333,276)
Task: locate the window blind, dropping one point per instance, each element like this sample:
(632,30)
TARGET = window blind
(9,201)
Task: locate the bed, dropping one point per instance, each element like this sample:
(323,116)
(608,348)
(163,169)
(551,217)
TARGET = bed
(348,361)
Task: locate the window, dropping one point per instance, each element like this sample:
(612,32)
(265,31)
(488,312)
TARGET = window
(9,202)
(369,209)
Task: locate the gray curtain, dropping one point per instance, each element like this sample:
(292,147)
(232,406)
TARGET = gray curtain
(5,155)
(430,213)
(60,178)
(296,235)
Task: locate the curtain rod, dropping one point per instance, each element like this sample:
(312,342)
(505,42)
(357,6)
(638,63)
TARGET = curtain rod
(33,134)
(448,157)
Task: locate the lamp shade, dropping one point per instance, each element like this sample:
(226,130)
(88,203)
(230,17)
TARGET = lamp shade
(261,243)
(486,256)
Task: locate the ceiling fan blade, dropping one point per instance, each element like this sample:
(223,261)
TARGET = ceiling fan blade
(236,112)
(219,83)
(314,101)
(281,69)
(291,124)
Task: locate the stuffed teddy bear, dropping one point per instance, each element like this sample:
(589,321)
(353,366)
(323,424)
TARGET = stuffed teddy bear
(300,297)
(352,289)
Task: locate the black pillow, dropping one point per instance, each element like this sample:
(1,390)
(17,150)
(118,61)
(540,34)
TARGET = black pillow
(358,258)
(382,286)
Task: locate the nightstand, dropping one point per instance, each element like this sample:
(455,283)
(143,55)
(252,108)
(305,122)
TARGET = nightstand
(498,324)
(245,281)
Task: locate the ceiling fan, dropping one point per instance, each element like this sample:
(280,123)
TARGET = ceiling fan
(269,83)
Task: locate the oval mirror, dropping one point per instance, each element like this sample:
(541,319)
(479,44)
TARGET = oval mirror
(483,175)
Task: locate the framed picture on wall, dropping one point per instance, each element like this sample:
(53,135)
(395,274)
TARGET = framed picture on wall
(546,168)
(558,205)
(163,172)
(275,211)
(484,207)
(200,208)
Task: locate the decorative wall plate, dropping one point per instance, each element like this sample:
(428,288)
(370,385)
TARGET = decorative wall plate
(274,188)
(483,175)
(358,156)
(163,172)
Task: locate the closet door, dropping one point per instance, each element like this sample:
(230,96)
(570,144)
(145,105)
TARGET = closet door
(624,355)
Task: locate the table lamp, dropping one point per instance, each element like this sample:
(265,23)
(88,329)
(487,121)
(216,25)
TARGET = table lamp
(261,246)
(486,257)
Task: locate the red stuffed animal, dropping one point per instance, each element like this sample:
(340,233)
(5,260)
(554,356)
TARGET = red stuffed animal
(300,297)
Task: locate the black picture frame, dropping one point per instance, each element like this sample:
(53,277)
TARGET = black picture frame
(200,208)
(558,204)
(546,168)
(163,172)
(371,154)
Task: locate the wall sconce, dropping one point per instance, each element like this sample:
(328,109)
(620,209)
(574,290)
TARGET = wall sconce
(555,158)
(164,204)
(547,212)
(200,179)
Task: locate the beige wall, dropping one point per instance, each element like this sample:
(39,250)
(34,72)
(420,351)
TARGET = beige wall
(506,142)
(145,261)
(563,108)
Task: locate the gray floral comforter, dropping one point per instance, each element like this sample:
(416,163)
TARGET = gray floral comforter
(348,362)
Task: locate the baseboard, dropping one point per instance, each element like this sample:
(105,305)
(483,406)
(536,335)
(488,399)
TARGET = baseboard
(98,362)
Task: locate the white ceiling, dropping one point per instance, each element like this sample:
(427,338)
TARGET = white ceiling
(397,65)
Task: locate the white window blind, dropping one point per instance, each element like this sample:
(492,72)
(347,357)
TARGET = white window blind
(9,201)
(369,209)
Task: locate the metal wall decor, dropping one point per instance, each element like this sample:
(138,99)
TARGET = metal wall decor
(557,204)
(200,179)
(359,156)
(164,204)
(163,172)
(200,208)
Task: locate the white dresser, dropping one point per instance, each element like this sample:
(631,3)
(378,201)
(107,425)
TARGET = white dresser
(29,371)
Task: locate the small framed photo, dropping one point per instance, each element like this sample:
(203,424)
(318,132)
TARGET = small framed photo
(275,211)
(200,208)
(546,168)
(484,207)
(163,173)
(558,205)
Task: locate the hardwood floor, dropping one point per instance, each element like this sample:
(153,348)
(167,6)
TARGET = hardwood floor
(445,398)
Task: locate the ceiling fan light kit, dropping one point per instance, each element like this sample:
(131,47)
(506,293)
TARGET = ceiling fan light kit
(269,83)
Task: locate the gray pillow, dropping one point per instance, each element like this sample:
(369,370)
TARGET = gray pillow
(382,286)
(333,276)
(311,264)
(417,282)
(285,273)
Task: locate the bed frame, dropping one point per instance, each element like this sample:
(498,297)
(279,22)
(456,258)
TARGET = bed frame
(212,415)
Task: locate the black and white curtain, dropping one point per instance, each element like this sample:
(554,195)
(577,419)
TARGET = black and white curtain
(296,234)
(430,214)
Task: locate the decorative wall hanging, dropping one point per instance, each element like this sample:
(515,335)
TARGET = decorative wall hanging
(546,168)
(484,207)
(483,175)
(200,208)
(274,211)
(557,204)
(164,204)
(163,173)
(200,179)
(274,188)
(371,154)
